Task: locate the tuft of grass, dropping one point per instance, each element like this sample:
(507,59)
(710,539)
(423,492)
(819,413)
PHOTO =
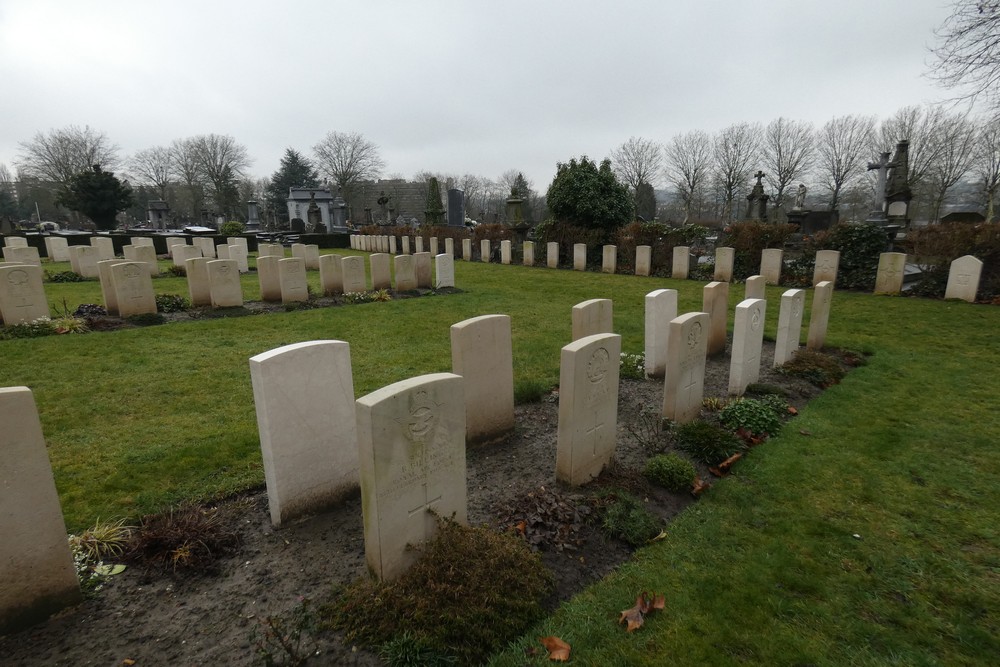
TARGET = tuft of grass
(818,368)
(105,539)
(188,538)
(530,391)
(627,519)
(707,443)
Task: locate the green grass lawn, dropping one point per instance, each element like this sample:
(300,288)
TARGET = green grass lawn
(765,569)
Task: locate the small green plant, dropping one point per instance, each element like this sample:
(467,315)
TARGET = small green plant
(382,295)
(286,640)
(188,538)
(177,271)
(754,416)
(820,369)
(358,297)
(405,650)
(171,303)
(707,443)
(63,277)
(90,310)
(102,540)
(530,391)
(68,324)
(625,518)
(145,319)
(670,471)
(633,366)
(714,403)
(36,328)
(649,429)
(232,228)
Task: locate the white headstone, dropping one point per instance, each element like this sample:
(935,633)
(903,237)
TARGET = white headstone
(643,260)
(405,244)
(681,262)
(392,245)
(771,262)
(481,352)
(330,277)
(57,249)
(444,271)
(142,241)
(25,255)
(22,297)
(505,252)
(467,249)
(380,270)
(484,250)
(891,267)
(269,278)
(418,244)
(224,283)
(173,240)
(434,246)
(579,256)
(15,242)
(182,253)
(724,258)
(748,338)
(205,244)
(105,247)
(84,260)
(827,262)
(819,317)
(755,288)
(222,251)
(142,253)
(292,275)
(238,253)
(199,288)
(594,316)
(241,241)
(552,254)
(609,259)
(661,308)
(406,273)
(789,325)
(449,247)
(108,285)
(422,267)
(684,384)
(528,253)
(352,272)
(312,256)
(715,302)
(133,288)
(963,279)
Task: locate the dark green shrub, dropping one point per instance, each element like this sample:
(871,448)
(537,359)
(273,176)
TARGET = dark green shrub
(820,369)
(63,277)
(860,246)
(671,472)
(90,310)
(171,303)
(627,519)
(749,239)
(231,228)
(707,443)
(936,246)
(145,319)
(757,417)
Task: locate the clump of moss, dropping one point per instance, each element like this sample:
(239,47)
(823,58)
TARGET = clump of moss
(820,369)
(707,443)
(670,471)
(627,519)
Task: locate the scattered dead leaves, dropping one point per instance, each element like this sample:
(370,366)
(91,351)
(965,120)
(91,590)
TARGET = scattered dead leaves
(547,519)
(635,616)
(557,648)
(723,468)
(699,487)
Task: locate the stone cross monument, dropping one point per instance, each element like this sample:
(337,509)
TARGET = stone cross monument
(882,166)
(757,200)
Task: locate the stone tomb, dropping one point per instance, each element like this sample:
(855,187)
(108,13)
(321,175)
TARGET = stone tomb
(819,317)
(105,247)
(422,267)
(199,288)
(748,338)
(715,302)
(594,316)
(482,353)
(406,273)
(684,386)
(224,283)
(579,256)
(444,271)
(83,259)
(588,407)
(133,288)
(304,396)
(552,254)
(755,288)
(643,260)
(269,278)
(789,325)
(963,279)
(22,255)
(145,254)
(411,442)
(22,297)
(889,278)
(36,564)
(609,259)
(292,276)
(681,263)
(381,275)
(505,252)
(827,262)
(661,308)
(484,250)
(771,262)
(724,258)
(528,253)
(331,279)
(352,273)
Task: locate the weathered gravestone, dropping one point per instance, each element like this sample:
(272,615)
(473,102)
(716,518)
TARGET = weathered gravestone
(84,260)
(748,338)
(715,302)
(609,259)
(352,272)
(182,253)
(484,250)
(827,262)
(238,252)
(379,263)
(145,254)
(312,256)
(422,267)
(819,317)
(963,279)
(174,240)
(724,258)
(222,252)
(269,278)
(206,245)
(133,289)
(467,249)
(36,565)
(22,297)
(771,261)
(418,244)
(789,325)
(241,241)
(681,265)
(588,407)
(661,308)
(199,287)
(643,260)
(594,316)
(505,252)
(299,250)
(684,383)
(755,288)
(449,246)
(444,271)
(15,242)
(889,278)
(552,254)
(411,442)
(528,253)
(579,256)
(292,276)
(391,245)
(331,279)
(105,247)
(435,246)
(141,241)
(25,255)
(224,283)
(405,244)
(108,295)
(304,396)
(57,248)
(481,352)
(406,273)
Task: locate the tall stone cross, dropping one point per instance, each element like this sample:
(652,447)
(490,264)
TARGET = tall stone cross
(883,166)
(759,176)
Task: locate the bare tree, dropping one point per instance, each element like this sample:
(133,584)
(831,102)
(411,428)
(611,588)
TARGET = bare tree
(184,160)
(59,155)
(986,163)
(222,161)
(347,157)
(734,151)
(957,142)
(688,166)
(637,161)
(153,167)
(843,146)
(921,126)
(967,55)
(786,152)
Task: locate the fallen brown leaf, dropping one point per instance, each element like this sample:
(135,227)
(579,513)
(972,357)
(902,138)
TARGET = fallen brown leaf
(699,487)
(792,410)
(802,431)
(634,617)
(715,471)
(557,648)
(727,464)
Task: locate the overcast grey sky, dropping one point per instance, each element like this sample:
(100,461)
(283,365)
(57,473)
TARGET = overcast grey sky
(452,86)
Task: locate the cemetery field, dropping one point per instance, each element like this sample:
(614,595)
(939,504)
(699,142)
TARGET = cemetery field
(864,534)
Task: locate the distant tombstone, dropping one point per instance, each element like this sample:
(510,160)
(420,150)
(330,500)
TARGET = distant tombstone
(268,277)
(681,263)
(238,253)
(963,279)
(418,244)
(174,240)
(444,271)
(789,325)
(352,272)
(57,248)
(331,279)
(484,250)
(528,253)
(241,241)
(312,257)
(391,247)
(199,288)
(449,246)
(292,276)
(143,253)
(434,246)
(467,249)
(827,262)
(405,244)
(594,316)
(609,259)
(22,296)
(748,338)
(105,247)
(819,317)
(224,283)
(456,208)
(755,288)
(889,278)
(133,289)
(222,251)
(771,261)
(23,255)
(15,242)
(297,225)
(411,441)
(505,252)
(304,399)
(588,407)
(206,245)
(84,259)
(182,253)
(36,563)
(379,264)
(552,254)
(482,353)
(715,302)
(684,384)
(661,308)
(406,273)
(724,258)
(579,256)
(108,295)
(643,260)
(422,267)
(299,250)
(141,241)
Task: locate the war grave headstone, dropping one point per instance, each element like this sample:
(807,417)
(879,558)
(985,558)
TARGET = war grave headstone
(391,245)
(133,289)
(292,276)
(505,252)
(715,302)
(222,251)
(661,309)
(588,407)
(827,262)
(482,353)
(299,250)
(579,256)
(684,383)
(84,260)
(819,317)
(444,271)
(963,279)
(182,253)
(724,258)
(22,296)
(142,253)
(174,240)
(609,259)
(304,399)
(22,255)
(449,246)
(422,267)
(224,283)
(789,325)
(105,247)
(330,279)
(199,287)
(15,242)
(552,255)
(467,249)
(594,316)
(405,244)
(748,338)
(240,241)
(771,262)
(57,248)
(238,253)
(434,246)
(269,278)
(528,253)
(681,263)
(755,288)
(411,443)
(352,273)
(406,273)
(206,245)
(108,295)
(484,250)
(36,563)
(643,260)
(379,263)
(418,244)
(889,278)
(354,241)
(140,241)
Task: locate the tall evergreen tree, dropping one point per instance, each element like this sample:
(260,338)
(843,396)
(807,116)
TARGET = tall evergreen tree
(295,171)
(434,212)
(98,195)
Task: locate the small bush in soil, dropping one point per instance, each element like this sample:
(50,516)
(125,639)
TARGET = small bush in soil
(145,319)
(820,369)
(68,324)
(288,639)
(633,366)
(627,519)
(471,591)
(63,277)
(90,310)
(177,271)
(649,428)
(707,443)
(358,297)
(42,326)
(381,295)
(530,391)
(671,472)
(103,540)
(757,417)
(188,538)
(171,303)
(406,650)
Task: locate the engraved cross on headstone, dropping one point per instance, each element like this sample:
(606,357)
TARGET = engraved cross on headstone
(427,503)
(594,433)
